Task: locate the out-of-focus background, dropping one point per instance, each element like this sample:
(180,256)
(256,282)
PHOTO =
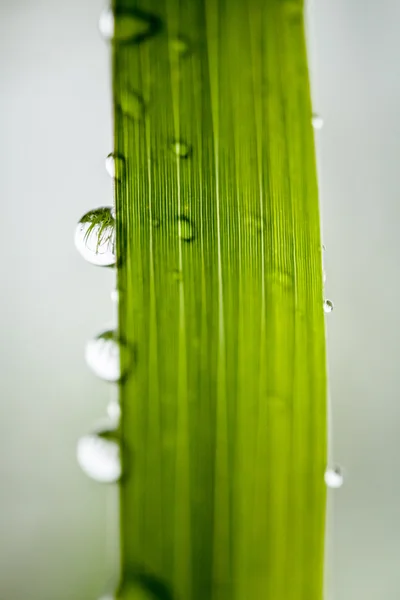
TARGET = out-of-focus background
(57,527)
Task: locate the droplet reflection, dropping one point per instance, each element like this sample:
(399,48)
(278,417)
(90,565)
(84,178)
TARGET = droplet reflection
(95,236)
(334,477)
(98,456)
(328,306)
(317,121)
(103,356)
(115,166)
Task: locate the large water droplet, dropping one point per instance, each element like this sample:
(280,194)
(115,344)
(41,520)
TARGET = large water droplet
(115,166)
(181,148)
(98,455)
(95,237)
(328,306)
(334,477)
(317,121)
(132,104)
(185,228)
(124,26)
(103,356)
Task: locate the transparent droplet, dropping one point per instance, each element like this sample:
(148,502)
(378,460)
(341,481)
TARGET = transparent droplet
(124,26)
(155,221)
(324,275)
(185,228)
(317,121)
(98,455)
(334,477)
(132,104)
(328,306)
(115,166)
(180,46)
(181,149)
(106,23)
(95,237)
(114,295)
(114,411)
(103,356)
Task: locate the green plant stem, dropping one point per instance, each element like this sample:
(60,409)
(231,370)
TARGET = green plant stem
(224,413)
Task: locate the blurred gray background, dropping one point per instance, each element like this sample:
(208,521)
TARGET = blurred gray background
(58,528)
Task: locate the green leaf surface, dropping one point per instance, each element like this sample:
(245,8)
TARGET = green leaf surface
(220,285)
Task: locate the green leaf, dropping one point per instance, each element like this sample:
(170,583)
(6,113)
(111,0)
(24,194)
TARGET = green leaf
(220,285)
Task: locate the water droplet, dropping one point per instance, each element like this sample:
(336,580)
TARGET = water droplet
(103,356)
(185,228)
(132,104)
(323,275)
(328,306)
(317,121)
(114,411)
(106,23)
(180,45)
(115,166)
(334,477)
(124,26)
(155,221)
(181,149)
(95,237)
(98,455)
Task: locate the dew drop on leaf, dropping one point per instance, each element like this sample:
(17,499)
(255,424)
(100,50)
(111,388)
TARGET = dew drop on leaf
(98,456)
(95,237)
(317,121)
(102,355)
(181,149)
(127,26)
(106,24)
(185,228)
(115,166)
(334,477)
(328,306)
